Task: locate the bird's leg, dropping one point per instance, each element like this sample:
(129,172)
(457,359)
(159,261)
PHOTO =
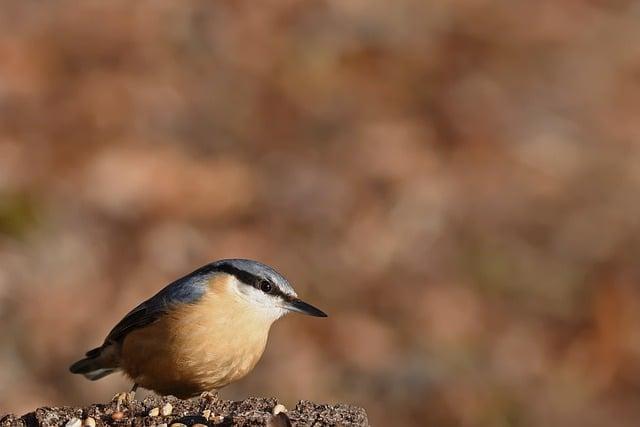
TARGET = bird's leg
(125,397)
(131,396)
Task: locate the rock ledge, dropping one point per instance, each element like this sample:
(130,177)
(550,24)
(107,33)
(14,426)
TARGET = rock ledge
(203,411)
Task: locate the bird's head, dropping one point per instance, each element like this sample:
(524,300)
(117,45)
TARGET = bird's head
(262,287)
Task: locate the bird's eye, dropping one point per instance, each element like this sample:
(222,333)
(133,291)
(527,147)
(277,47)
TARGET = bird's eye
(265,286)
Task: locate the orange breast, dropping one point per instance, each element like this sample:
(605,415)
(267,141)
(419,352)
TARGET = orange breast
(197,347)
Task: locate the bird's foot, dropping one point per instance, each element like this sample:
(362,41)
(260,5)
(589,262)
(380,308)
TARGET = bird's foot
(211,396)
(125,398)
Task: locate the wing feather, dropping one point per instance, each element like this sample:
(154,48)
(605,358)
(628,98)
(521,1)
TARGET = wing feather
(186,290)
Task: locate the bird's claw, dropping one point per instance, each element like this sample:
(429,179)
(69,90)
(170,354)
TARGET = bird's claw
(210,395)
(126,398)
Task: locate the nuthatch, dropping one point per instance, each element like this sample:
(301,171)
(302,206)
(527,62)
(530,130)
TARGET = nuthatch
(200,333)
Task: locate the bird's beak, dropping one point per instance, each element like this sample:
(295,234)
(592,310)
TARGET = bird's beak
(304,308)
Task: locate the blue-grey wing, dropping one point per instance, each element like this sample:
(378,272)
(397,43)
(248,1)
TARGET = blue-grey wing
(186,290)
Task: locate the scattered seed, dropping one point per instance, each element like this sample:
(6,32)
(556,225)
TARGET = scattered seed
(162,425)
(154,412)
(167,409)
(206,413)
(118,415)
(74,422)
(279,408)
(89,422)
(178,425)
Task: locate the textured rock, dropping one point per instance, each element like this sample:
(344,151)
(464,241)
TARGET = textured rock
(250,412)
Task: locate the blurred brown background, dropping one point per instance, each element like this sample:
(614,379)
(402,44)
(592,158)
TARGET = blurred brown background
(455,182)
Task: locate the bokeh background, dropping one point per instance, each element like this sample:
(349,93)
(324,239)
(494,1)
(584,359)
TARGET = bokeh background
(455,182)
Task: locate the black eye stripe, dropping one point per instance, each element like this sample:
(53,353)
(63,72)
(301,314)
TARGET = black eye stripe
(252,280)
(243,276)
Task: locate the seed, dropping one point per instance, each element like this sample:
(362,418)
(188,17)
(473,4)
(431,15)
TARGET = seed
(167,409)
(178,425)
(206,413)
(74,422)
(279,408)
(90,422)
(118,415)
(154,412)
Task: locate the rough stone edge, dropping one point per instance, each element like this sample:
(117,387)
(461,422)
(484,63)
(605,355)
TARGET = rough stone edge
(253,411)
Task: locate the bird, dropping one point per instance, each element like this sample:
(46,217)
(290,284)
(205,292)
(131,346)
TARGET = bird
(199,333)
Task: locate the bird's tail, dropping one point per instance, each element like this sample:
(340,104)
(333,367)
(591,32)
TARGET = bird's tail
(99,363)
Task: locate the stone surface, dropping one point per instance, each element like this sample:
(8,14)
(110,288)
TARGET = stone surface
(250,412)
